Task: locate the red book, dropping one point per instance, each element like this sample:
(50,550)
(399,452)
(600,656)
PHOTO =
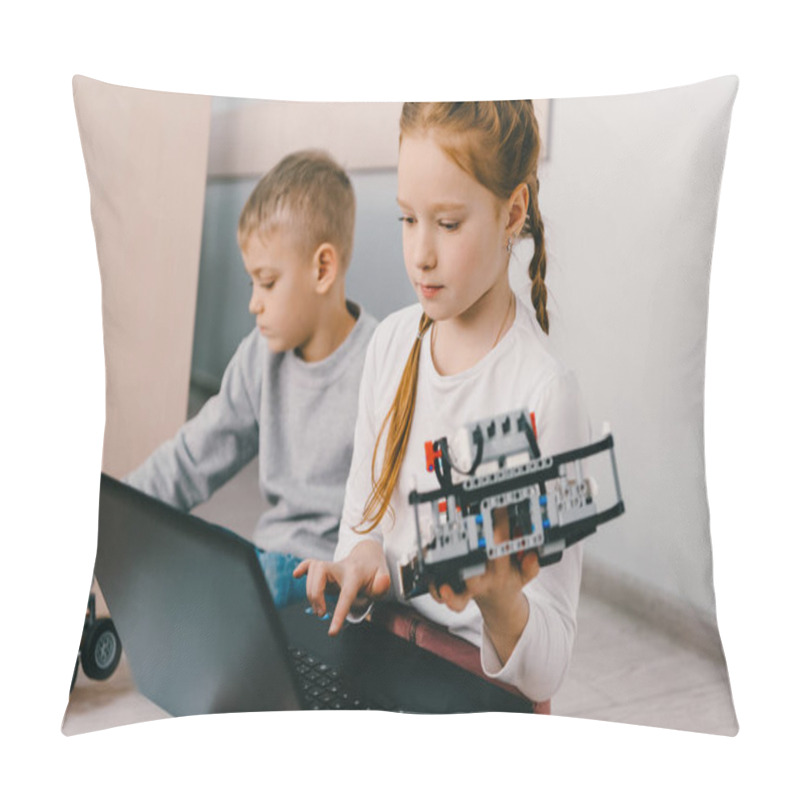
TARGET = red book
(408,624)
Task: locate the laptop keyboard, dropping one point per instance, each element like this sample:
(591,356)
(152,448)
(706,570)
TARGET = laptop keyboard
(322,686)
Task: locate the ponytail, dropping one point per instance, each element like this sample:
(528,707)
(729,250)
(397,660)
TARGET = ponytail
(399,419)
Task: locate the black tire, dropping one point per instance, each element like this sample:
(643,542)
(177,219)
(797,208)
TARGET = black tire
(75,673)
(101,651)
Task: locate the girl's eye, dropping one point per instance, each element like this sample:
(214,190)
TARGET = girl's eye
(450,226)
(406,220)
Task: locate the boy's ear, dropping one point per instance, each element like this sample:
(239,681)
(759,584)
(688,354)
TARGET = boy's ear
(326,267)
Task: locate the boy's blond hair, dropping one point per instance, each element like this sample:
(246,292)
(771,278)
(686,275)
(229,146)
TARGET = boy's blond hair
(307,195)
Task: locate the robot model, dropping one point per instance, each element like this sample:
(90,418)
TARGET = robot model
(549,502)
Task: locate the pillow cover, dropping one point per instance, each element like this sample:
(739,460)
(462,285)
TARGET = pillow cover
(629,191)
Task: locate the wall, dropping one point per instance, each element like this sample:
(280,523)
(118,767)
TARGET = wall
(630,198)
(145,155)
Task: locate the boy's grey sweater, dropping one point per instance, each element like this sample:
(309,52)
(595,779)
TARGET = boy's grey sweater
(299,419)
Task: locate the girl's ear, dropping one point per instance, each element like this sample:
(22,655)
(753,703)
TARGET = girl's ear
(326,267)
(517,209)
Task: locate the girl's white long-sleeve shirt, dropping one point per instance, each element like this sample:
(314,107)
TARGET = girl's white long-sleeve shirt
(519,372)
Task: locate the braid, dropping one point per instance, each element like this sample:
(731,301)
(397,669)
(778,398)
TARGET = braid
(399,421)
(538,266)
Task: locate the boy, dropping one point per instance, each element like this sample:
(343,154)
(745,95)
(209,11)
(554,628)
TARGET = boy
(290,392)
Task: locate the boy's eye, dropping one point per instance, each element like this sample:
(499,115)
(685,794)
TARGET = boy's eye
(450,226)
(267,285)
(406,219)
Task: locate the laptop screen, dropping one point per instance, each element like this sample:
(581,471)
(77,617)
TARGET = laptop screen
(192,608)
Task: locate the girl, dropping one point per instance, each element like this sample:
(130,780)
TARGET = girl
(467,188)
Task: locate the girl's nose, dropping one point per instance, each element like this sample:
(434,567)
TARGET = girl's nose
(424,252)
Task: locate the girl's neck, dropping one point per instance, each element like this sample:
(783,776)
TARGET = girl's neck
(461,342)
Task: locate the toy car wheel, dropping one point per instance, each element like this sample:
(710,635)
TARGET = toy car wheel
(102,650)
(75,672)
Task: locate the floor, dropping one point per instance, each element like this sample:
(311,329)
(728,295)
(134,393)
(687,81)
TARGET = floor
(625,668)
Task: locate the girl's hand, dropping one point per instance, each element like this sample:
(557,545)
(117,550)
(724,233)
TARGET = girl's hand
(360,578)
(498,592)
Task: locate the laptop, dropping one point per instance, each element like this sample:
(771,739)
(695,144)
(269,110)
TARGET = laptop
(202,634)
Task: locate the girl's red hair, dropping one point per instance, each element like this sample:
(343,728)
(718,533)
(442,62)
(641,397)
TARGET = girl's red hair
(498,144)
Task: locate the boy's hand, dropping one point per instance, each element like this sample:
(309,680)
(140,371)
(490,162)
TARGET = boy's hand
(360,578)
(498,592)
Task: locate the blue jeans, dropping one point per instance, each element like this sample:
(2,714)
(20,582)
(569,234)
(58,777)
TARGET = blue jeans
(278,568)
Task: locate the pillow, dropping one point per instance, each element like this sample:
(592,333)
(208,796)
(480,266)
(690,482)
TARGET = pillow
(629,191)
